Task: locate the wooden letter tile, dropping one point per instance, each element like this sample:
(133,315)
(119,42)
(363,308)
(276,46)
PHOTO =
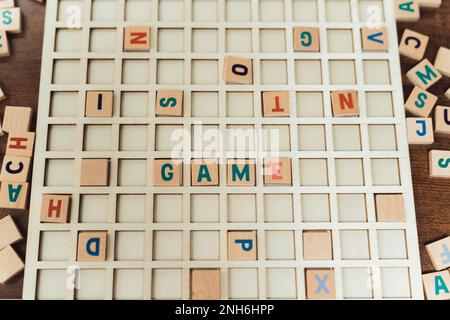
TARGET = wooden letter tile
(317,245)
(20,144)
(390,207)
(320,284)
(406,10)
(437,285)
(442,120)
(4,4)
(10,264)
(447,93)
(241,172)
(375,39)
(4,44)
(413,45)
(204,172)
(16,119)
(205,284)
(94,172)
(9,234)
(430,3)
(136,39)
(2,95)
(420,130)
(15,169)
(99,103)
(242,245)
(92,246)
(169,103)
(439,163)
(345,103)
(420,102)
(439,252)
(277,171)
(238,70)
(13,195)
(275,103)
(10,20)
(306,39)
(55,208)
(442,61)
(423,75)
(167,173)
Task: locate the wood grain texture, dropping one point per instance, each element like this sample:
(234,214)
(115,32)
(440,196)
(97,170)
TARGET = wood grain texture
(20,80)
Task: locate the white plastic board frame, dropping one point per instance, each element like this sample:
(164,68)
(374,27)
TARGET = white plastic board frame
(52,247)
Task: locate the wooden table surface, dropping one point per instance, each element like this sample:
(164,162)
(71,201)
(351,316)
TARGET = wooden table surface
(19,77)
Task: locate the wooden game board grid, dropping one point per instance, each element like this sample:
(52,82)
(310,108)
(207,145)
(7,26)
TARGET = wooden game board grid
(33,265)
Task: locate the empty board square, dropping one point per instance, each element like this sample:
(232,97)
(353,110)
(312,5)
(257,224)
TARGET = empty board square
(131,208)
(313,172)
(166,284)
(238,40)
(128,284)
(68,40)
(103,40)
(205,104)
(205,10)
(309,104)
(376,72)
(205,245)
(170,72)
(134,104)
(391,244)
(66,9)
(168,208)
(354,245)
(133,138)
(385,172)
(357,283)
(280,245)
(64,104)
(379,104)
(66,71)
(342,72)
(315,207)
(101,71)
(205,137)
(97,138)
(273,72)
(311,138)
(239,104)
(395,283)
(54,246)
(351,207)
(61,138)
(349,172)
(204,208)
(371,11)
(59,172)
(346,138)
(272,40)
(308,72)
(277,138)
(238,10)
(138,10)
(170,40)
(204,72)
(271,10)
(167,245)
(241,207)
(205,40)
(132,172)
(278,208)
(135,72)
(166,137)
(304,10)
(243,283)
(338,11)
(382,138)
(241,138)
(104,10)
(93,208)
(171,10)
(130,245)
(281,283)
(92,285)
(340,40)
(51,284)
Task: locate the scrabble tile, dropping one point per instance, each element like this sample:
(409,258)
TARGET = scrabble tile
(442,120)
(317,245)
(15,169)
(169,103)
(9,234)
(390,207)
(439,252)
(306,39)
(10,264)
(4,45)
(423,75)
(238,70)
(241,172)
(13,195)
(413,44)
(320,284)
(94,172)
(20,144)
(275,103)
(345,103)
(16,119)
(242,245)
(430,3)
(6,4)
(437,285)
(136,39)
(420,102)
(205,284)
(10,20)
(277,171)
(442,61)
(204,172)
(2,95)
(92,246)
(439,163)
(419,130)
(375,39)
(447,93)
(99,103)
(406,10)
(167,173)
(55,208)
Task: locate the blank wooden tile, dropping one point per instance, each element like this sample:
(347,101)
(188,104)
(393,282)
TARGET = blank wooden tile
(439,252)
(242,245)
(99,103)
(442,120)
(345,103)
(92,246)
(241,172)
(275,103)
(167,173)
(13,195)
(442,61)
(9,234)
(317,245)
(437,285)
(375,39)
(20,144)
(406,10)
(7,4)
(306,39)
(413,44)
(10,21)
(419,130)
(238,70)
(277,171)
(16,119)
(320,284)
(423,75)
(15,169)
(4,44)
(439,163)
(94,172)
(390,207)
(10,264)
(55,208)
(420,102)
(136,38)
(169,103)
(205,284)
(430,3)
(204,172)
